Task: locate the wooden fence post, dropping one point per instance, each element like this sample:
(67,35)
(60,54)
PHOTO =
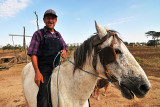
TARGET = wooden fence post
(24,44)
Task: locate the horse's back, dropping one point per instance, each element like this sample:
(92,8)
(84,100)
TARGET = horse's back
(30,89)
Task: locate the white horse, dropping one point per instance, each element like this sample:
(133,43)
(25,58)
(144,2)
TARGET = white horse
(76,86)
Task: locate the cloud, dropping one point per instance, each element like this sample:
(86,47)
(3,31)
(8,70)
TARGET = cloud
(9,8)
(126,18)
(115,23)
(122,20)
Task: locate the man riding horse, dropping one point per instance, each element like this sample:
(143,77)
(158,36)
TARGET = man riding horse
(74,85)
(45,45)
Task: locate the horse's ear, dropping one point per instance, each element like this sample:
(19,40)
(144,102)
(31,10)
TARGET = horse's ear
(100,30)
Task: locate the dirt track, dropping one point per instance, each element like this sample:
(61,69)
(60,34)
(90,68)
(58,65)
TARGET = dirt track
(11,94)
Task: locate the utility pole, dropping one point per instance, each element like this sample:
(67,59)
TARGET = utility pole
(36,20)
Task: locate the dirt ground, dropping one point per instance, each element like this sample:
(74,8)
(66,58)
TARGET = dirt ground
(11,93)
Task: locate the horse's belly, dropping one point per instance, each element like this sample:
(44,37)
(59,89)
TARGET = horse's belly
(30,89)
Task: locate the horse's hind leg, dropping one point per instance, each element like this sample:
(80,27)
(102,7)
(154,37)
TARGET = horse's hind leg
(105,87)
(95,89)
(98,97)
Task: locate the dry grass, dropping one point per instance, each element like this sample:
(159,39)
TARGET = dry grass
(11,94)
(4,53)
(148,58)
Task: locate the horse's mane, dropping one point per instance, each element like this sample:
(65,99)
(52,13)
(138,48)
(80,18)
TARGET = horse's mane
(86,49)
(81,52)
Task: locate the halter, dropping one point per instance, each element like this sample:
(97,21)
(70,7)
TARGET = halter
(107,55)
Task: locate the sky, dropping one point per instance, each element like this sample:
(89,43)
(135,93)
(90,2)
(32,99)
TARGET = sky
(76,18)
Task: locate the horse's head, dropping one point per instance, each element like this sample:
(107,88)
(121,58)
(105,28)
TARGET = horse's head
(110,50)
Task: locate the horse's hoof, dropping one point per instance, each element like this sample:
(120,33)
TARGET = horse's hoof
(98,98)
(104,94)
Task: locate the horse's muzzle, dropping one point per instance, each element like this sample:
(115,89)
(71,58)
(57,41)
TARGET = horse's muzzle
(134,86)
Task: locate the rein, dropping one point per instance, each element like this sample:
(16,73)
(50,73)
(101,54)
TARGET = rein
(89,72)
(59,53)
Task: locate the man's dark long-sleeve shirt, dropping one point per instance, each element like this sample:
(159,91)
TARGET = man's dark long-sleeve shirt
(38,39)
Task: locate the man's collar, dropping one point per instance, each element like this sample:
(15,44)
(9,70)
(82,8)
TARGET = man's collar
(46,30)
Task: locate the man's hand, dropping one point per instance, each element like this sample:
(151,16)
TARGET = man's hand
(38,78)
(63,53)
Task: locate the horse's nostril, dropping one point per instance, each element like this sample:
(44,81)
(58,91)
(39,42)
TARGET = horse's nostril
(144,88)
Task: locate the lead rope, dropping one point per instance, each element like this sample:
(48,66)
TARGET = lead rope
(58,78)
(89,72)
(59,53)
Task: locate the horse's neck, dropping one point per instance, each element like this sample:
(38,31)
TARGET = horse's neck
(84,82)
(80,84)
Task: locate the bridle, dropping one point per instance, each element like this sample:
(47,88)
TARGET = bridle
(107,55)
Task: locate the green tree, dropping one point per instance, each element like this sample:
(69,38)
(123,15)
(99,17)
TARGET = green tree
(150,43)
(153,35)
(157,35)
(126,43)
(10,47)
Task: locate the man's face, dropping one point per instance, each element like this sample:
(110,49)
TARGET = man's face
(50,21)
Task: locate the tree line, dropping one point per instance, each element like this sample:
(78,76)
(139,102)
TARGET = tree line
(154,42)
(11,47)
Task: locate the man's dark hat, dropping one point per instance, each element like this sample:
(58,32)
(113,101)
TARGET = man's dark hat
(50,11)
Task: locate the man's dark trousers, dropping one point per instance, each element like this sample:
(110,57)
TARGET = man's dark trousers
(44,93)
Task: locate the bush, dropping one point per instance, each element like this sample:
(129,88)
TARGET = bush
(10,47)
(139,59)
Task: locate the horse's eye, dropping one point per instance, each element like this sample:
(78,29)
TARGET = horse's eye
(118,51)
